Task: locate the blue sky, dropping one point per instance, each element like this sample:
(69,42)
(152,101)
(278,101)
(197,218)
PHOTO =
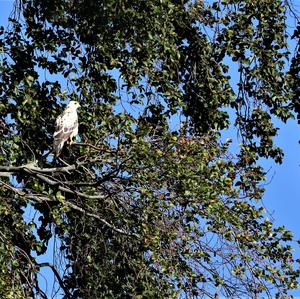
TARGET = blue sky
(282,192)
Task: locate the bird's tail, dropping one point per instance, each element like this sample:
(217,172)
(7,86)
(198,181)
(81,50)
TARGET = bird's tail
(57,147)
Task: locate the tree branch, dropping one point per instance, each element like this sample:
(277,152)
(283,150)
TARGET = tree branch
(41,199)
(60,281)
(67,190)
(36,171)
(4,170)
(103,148)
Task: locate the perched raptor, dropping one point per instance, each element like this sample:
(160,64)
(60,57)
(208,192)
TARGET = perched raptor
(66,127)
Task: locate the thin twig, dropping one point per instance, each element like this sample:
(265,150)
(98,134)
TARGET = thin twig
(60,281)
(40,199)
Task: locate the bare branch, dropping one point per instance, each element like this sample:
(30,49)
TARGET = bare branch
(102,148)
(67,190)
(60,281)
(40,199)
(4,170)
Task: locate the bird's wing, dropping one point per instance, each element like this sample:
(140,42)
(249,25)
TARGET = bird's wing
(65,126)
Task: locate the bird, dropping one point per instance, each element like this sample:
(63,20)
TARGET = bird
(66,127)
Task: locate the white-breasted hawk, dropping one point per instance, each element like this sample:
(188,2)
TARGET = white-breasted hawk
(66,127)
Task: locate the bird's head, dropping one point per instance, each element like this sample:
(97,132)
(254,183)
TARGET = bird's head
(73,105)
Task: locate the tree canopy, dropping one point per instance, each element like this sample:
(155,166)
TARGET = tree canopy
(150,202)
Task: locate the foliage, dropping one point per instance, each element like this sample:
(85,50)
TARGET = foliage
(149,203)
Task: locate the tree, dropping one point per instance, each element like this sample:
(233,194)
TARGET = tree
(149,203)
